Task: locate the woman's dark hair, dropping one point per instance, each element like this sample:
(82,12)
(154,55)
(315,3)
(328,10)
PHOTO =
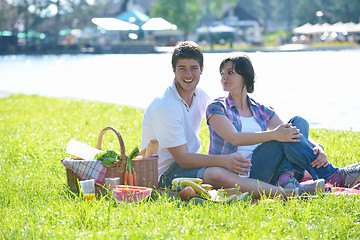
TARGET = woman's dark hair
(242,66)
(188,50)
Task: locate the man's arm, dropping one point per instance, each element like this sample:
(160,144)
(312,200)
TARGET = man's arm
(321,160)
(234,162)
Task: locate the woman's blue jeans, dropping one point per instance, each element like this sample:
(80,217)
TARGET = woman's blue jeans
(271,159)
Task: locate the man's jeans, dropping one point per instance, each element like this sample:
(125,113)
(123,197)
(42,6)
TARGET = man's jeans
(176,171)
(271,159)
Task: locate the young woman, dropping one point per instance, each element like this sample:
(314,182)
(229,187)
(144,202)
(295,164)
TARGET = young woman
(280,152)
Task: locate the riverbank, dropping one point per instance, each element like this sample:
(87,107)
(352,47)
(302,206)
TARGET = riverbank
(151,49)
(285,48)
(303,47)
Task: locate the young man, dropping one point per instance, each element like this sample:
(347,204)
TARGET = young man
(174,120)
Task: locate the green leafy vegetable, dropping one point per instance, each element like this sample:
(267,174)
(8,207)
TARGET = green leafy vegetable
(129,160)
(108,157)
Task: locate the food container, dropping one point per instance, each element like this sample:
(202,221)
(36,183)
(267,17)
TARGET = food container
(131,194)
(88,189)
(111,183)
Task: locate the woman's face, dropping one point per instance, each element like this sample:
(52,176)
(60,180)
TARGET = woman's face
(231,81)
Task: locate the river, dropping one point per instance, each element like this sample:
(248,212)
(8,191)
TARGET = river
(321,86)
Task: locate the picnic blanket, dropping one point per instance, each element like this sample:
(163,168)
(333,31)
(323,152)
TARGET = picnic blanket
(86,169)
(342,190)
(330,189)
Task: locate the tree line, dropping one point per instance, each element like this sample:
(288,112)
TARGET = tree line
(287,13)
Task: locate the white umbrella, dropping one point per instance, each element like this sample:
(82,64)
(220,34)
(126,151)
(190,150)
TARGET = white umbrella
(357,27)
(338,27)
(222,28)
(114,24)
(154,24)
(325,27)
(216,29)
(352,27)
(306,28)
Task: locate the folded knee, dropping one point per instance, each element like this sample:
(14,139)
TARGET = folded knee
(216,176)
(299,122)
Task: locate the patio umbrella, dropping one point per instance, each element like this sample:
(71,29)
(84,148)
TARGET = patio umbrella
(306,28)
(222,28)
(352,27)
(114,24)
(338,27)
(154,24)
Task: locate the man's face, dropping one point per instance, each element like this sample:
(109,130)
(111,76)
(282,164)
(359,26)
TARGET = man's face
(187,74)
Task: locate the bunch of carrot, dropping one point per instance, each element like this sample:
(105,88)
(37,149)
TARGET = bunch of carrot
(130,174)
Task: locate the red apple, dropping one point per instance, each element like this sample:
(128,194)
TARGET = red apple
(187,193)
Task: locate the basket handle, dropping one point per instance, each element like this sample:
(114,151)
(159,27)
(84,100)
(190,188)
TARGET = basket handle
(121,141)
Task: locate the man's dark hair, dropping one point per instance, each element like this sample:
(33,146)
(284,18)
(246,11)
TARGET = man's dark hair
(187,50)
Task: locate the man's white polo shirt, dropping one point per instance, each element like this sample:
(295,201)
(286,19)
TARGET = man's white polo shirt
(173,123)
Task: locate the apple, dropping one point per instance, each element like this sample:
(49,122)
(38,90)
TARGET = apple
(187,193)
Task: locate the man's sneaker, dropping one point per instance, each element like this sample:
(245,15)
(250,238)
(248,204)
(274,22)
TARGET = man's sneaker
(350,175)
(310,187)
(291,183)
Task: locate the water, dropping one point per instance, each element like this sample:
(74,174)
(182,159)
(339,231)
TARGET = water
(321,86)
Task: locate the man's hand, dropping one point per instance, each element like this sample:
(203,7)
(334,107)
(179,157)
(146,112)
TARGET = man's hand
(287,133)
(237,163)
(321,160)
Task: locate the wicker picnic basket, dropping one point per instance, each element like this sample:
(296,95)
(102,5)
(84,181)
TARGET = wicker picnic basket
(146,168)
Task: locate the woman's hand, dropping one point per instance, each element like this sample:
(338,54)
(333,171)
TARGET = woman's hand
(238,163)
(287,133)
(321,160)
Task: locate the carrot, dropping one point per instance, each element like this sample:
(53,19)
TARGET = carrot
(126,176)
(130,167)
(134,176)
(131,179)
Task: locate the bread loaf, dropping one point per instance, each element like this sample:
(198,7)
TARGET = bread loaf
(152,148)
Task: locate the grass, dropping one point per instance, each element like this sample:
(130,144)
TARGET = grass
(273,38)
(35,202)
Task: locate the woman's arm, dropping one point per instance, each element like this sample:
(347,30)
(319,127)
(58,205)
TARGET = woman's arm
(274,122)
(226,130)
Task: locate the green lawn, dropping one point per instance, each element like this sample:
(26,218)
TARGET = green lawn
(35,203)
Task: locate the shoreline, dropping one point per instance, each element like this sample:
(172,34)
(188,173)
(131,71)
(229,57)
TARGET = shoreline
(288,48)
(164,50)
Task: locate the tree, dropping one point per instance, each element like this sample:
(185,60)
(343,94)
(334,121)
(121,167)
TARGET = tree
(254,7)
(283,12)
(345,11)
(333,10)
(26,16)
(184,14)
(217,7)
